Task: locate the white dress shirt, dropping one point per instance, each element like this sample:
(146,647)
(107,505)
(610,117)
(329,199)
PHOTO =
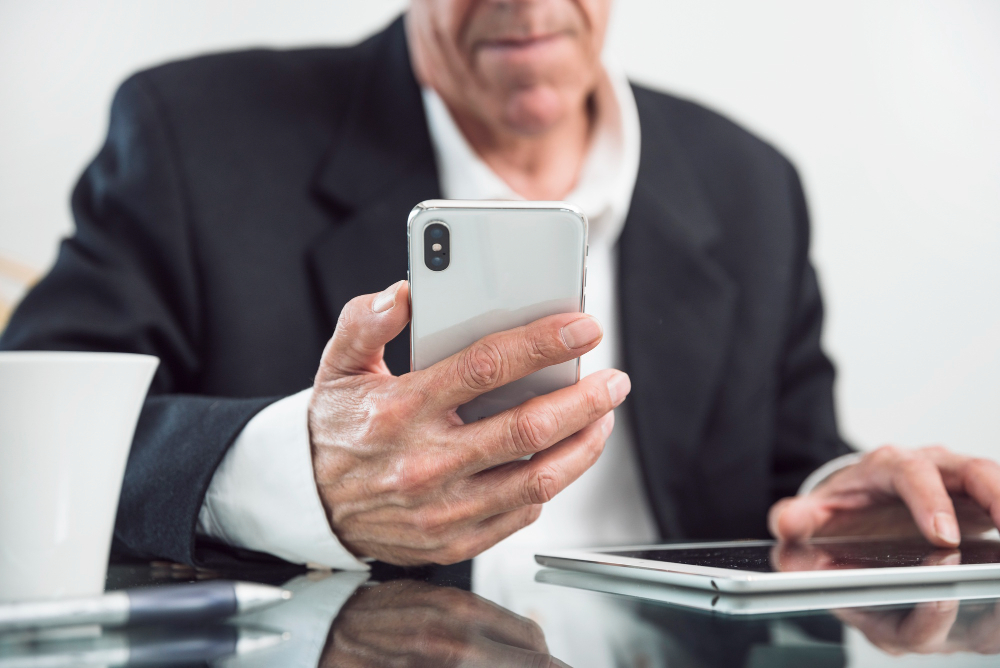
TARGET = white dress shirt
(607,504)
(263,496)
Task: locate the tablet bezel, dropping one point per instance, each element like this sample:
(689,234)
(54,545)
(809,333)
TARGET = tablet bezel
(771,603)
(600,561)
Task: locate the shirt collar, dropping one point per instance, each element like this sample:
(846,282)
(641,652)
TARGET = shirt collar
(604,188)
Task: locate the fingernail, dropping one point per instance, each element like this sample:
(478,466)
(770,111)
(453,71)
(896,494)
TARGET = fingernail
(618,387)
(386,299)
(581,332)
(946,528)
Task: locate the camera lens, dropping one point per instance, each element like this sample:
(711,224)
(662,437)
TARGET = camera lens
(437,244)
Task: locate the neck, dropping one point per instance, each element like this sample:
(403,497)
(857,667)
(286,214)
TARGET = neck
(542,166)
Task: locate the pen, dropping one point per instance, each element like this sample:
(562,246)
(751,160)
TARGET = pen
(169,604)
(141,648)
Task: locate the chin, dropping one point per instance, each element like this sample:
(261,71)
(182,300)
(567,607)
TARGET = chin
(535,110)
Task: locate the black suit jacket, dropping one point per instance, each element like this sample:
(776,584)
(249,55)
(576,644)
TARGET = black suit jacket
(242,199)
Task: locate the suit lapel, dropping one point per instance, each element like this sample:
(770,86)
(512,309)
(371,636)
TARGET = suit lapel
(382,167)
(678,306)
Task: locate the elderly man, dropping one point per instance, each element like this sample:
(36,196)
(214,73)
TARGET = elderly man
(243,201)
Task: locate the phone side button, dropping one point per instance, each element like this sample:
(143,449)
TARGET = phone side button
(583,308)
(585,277)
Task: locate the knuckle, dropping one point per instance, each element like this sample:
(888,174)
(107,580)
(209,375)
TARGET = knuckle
(596,446)
(885,454)
(541,350)
(383,422)
(428,543)
(531,431)
(451,554)
(388,412)
(534,512)
(399,407)
(442,647)
(417,396)
(461,607)
(481,367)
(915,466)
(915,473)
(442,517)
(981,463)
(541,487)
(427,521)
(418,474)
(349,315)
(596,402)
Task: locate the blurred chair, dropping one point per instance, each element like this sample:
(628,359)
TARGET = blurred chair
(21,274)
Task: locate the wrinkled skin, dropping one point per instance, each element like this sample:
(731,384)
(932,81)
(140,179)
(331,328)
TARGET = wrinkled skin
(403,480)
(517,77)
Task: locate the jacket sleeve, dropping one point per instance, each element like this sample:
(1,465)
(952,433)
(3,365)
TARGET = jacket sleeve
(806,435)
(128,281)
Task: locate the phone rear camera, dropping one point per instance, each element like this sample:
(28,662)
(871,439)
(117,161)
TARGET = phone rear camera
(437,243)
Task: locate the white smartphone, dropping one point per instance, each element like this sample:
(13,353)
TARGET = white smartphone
(479,267)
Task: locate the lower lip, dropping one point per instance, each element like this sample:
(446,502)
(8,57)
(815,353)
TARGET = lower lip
(525,46)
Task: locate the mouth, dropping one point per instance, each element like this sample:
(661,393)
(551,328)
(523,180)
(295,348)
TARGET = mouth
(512,45)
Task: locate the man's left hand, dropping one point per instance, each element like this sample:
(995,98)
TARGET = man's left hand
(894,491)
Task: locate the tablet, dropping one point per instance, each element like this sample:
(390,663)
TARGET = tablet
(772,603)
(767,566)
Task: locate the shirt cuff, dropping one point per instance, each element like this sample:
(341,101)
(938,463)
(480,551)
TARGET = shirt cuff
(827,470)
(263,496)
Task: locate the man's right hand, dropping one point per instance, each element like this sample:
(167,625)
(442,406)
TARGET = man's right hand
(403,480)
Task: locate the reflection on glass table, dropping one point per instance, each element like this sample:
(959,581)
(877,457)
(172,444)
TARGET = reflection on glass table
(777,603)
(930,619)
(160,646)
(344,619)
(412,623)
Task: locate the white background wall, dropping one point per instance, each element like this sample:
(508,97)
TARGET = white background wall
(890,108)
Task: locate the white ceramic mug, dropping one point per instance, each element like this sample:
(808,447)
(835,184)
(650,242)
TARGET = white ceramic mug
(66,425)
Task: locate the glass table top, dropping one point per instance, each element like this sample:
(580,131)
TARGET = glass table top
(566,619)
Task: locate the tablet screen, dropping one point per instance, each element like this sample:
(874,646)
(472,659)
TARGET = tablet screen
(824,555)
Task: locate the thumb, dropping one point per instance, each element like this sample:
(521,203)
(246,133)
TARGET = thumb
(365,325)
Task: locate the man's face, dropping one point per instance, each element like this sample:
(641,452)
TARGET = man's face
(522,64)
